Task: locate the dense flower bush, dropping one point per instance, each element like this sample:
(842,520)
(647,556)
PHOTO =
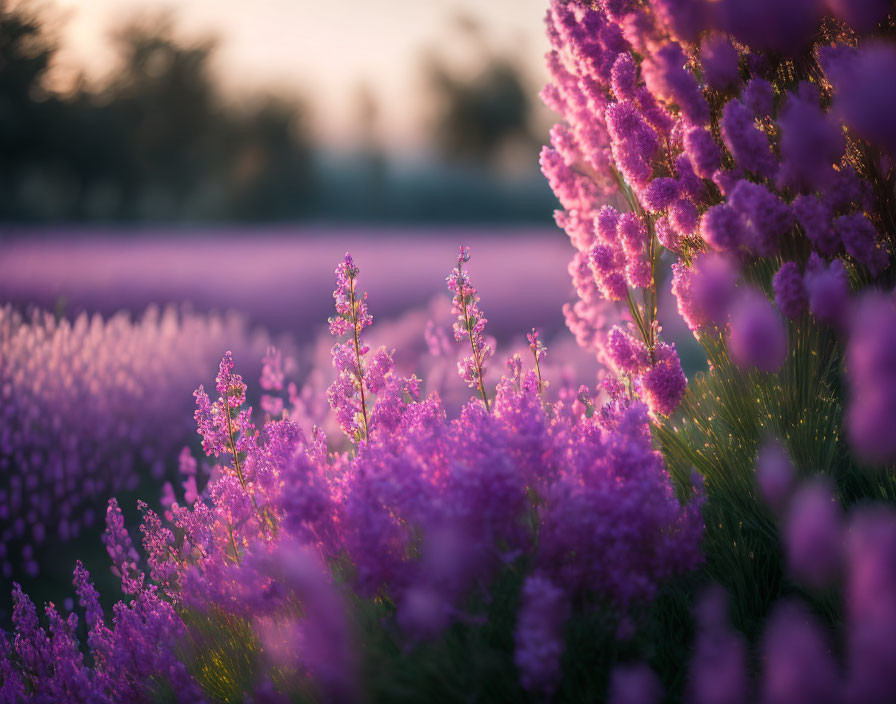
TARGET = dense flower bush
(734,144)
(728,539)
(87,404)
(421,511)
(747,149)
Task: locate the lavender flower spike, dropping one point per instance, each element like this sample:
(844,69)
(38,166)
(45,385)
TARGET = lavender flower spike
(347,394)
(470,324)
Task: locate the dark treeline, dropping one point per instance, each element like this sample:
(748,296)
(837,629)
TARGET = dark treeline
(157,141)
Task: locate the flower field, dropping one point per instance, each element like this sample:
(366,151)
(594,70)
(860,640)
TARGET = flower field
(281,279)
(406,481)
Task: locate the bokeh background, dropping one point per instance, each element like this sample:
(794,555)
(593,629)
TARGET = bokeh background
(279,110)
(227,154)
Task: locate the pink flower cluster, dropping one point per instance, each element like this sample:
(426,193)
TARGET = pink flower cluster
(470,325)
(674,111)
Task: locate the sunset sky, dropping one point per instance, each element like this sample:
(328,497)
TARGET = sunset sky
(324,50)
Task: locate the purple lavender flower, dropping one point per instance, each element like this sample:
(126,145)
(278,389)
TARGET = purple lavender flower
(811,142)
(723,228)
(347,395)
(666,77)
(846,190)
(790,291)
(470,324)
(758,95)
(815,217)
(634,142)
(692,186)
(321,641)
(625,77)
(667,235)
(225,426)
(634,684)
(704,291)
(627,354)
(538,353)
(871,371)
(664,383)
(718,673)
(747,143)
(586,558)
(719,59)
(539,635)
(858,100)
(814,535)
(89,405)
(871,607)
(828,288)
(775,474)
(685,19)
(767,24)
(572,190)
(121,550)
(860,241)
(758,336)
(765,217)
(660,193)
(727,179)
(798,666)
(705,154)
(684,217)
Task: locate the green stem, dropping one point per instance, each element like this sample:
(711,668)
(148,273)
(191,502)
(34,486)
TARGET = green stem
(236,552)
(264,518)
(360,369)
(538,373)
(476,359)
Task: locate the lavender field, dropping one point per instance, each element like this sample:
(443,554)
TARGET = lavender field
(281,278)
(646,456)
(192,295)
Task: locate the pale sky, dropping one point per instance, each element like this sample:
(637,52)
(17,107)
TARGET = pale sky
(324,49)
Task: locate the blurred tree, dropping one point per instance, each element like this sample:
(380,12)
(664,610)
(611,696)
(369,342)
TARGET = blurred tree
(269,173)
(26,108)
(157,141)
(372,161)
(190,152)
(477,119)
(163,99)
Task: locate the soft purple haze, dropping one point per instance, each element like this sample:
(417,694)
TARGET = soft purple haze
(282,278)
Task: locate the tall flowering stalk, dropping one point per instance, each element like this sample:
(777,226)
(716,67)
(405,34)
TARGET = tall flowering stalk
(226,428)
(679,111)
(347,395)
(226,425)
(470,324)
(614,145)
(538,352)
